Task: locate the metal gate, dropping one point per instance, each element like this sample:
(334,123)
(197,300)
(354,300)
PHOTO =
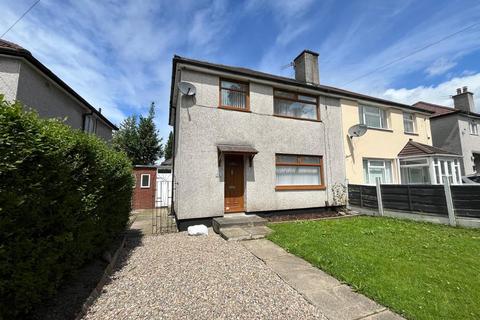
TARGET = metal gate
(163,192)
(162,219)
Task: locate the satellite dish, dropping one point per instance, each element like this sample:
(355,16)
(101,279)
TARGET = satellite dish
(187,88)
(357,130)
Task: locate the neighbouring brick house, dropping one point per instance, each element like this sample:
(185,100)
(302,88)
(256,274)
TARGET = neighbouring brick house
(145,186)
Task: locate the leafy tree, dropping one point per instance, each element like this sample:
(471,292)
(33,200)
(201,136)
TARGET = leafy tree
(139,139)
(169,147)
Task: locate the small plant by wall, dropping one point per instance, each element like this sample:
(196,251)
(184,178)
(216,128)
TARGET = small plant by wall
(339,192)
(64,195)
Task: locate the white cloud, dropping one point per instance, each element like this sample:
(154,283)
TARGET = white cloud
(117,54)
(440,66)
(439,94)
(208,24)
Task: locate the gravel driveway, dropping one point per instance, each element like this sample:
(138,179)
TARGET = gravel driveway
(175,276)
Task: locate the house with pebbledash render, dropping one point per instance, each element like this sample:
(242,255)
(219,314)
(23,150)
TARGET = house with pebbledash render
(252,142)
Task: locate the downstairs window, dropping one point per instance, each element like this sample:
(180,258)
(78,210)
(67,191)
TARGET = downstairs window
(297,172)
(415,171)
(377,168)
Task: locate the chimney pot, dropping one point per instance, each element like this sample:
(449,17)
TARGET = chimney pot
(463,100)
(306,67)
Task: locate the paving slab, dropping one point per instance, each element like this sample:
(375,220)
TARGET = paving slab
(336,300)
(258,232)
(302,276)
(264,249)
(384,315)
(342,303)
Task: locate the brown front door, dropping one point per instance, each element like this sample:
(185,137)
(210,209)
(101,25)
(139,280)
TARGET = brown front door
(234,183)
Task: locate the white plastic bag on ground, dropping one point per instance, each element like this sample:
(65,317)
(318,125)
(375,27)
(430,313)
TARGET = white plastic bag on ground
(198,230)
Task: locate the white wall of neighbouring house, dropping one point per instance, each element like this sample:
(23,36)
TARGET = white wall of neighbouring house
(40,93)
(9,74)
(201,126)
(470,144)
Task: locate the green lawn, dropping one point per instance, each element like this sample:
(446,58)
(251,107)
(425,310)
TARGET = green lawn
(420,270)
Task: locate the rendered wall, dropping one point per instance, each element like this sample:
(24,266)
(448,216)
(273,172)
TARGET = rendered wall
(199,181)
(50,101)
(9,74)
(470,144)
(446,134)
(378,143)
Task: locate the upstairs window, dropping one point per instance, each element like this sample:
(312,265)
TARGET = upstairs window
(409,122)
(373,117)
(89,124)
(473,128)
(299,172)
(294,105)
(234,95)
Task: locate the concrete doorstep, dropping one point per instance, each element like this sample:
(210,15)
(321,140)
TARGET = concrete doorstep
(333,298)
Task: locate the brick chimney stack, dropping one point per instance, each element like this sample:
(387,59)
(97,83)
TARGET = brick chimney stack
(306,67)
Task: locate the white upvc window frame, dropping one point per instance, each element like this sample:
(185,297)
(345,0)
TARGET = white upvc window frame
(382,114)
(413,121)
(426,164)
(448,163)
(473,128)
(384,167)
(141,181)
(90,123)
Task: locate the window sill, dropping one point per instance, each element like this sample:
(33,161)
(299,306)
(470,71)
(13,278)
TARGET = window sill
(295,118)
(145,187)
(282,188)
(411,133)
(234,109)
(380,129)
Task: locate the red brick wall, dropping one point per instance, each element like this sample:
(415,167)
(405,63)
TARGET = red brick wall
(144,198)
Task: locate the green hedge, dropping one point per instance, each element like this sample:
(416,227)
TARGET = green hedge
(64,195)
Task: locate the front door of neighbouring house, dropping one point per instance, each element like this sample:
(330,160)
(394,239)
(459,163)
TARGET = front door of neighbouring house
(234,183)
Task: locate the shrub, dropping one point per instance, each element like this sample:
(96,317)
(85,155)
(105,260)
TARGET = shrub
(64,195)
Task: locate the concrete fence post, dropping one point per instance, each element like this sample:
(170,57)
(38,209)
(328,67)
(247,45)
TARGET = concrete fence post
(448,198)
(347,198)
(379,197)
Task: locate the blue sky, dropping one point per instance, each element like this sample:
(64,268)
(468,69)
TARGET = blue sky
(117,54)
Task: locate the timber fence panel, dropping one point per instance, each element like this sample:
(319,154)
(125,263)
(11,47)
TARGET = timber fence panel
(363,196)
(466,200)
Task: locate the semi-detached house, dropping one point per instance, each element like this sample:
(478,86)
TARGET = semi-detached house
(26,79)
(457,129)
(253,142)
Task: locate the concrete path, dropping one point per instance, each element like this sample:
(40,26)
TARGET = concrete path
(334,299)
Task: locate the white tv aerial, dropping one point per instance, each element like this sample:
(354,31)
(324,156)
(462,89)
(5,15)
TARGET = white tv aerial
(357,130)
(186,88)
